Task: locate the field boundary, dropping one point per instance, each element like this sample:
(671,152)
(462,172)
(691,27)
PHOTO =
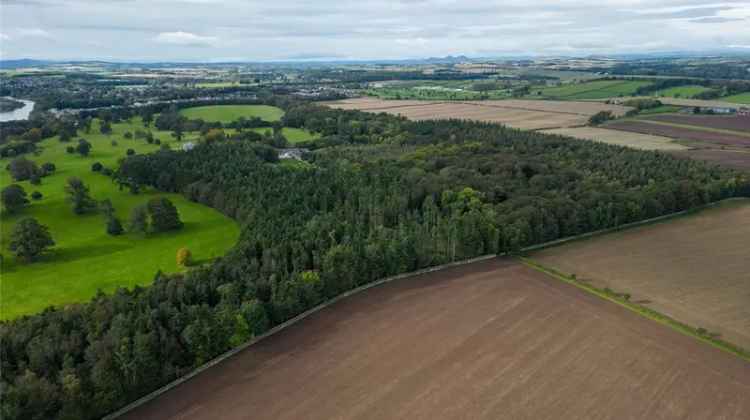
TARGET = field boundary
(623,300)
(195,372)
(626,226)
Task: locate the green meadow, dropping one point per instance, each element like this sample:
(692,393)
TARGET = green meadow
(682,91)
(742,98)
(597,89)
(229,113)
(85,258)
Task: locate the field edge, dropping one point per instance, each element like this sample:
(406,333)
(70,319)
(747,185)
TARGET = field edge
(644,311)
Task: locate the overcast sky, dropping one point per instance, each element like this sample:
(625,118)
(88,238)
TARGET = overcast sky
(249,30)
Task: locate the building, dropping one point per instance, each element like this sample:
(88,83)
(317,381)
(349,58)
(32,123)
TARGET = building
(292,153)
(188,146)
(743,112)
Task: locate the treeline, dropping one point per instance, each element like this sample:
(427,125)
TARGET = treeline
(393,197)
(736,70)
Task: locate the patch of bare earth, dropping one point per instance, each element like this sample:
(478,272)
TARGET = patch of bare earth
(491,340)
(695,269)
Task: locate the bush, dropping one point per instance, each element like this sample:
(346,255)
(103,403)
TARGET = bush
(70,149)
(36,195)
(130,152)
(84,147)
(97,167)
(49,167)
(35,179)
(107,171)
(113,142)
(157,141)
(184,257)
(601,117)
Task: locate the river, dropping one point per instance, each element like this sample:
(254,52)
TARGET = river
(18,114)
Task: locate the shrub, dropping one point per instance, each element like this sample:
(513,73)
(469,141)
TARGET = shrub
(97,167)
(49,167)
(107,171)
(601,117)
(130,152)
(184,257)
(138,222)
(70,149)
(113,142)
(35,179)
(84,147)
(157,141)
(36,195)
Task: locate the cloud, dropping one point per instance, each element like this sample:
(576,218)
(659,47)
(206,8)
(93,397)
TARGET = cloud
(185,38)
(4,37)
(716,19)
(34,33)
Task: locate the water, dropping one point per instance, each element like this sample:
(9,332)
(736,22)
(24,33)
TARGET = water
(20,113)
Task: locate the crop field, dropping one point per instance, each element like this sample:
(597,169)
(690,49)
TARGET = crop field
(489,340)
(65,274)
(523,114)
(682,91)
(597,89)
(742,98)
(681,133)
(730,158)
(694,268)
(720,122)
(620,138)
(229,113)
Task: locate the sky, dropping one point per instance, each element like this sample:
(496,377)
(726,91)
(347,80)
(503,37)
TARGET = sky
(249,30)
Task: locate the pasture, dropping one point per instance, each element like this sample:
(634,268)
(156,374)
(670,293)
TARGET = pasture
(85,257)
(489,340)
(620,138)
(523,114)
(741,98)
(597,89)
(293,135)
(693,268)
(682,91)
(229,113)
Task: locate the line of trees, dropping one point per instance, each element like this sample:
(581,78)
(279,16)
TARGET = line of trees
(393,196)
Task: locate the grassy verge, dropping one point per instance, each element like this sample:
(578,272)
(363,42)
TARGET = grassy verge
(623,299)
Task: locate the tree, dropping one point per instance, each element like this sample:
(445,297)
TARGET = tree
(184,257)
(22,169)
(84,147)
(97,167)
(601,117)
(130,152)
(14,198)
(128,135)
(29,239)
(78,196)
(164,215)
(105,128)
(35,179)
(70,150)
(138,222)
(65,136)
(36,195)
(49,167)
(112,222)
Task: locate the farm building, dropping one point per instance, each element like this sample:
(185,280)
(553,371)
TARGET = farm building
(292,153)
(743,112)
(188,146)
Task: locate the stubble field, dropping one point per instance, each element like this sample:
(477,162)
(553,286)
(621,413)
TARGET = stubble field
(490,340)
(523,114)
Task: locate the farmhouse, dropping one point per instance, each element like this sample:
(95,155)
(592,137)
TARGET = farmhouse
(292,153)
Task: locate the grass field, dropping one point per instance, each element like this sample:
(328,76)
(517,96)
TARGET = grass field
(598,89)
(693,269)
(489,340)
(293,135)
(85,258)
(682,91)
(229,113)
(742,98)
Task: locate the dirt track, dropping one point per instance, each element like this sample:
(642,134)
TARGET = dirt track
(493,340)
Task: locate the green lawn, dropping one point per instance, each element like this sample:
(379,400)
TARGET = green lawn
(598,89)
(293,135)
(682,91)
(85,258)
(229,113)
(742,98)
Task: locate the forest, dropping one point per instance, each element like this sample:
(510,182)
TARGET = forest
(381,195)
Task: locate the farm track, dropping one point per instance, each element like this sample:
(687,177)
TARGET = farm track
(490,340)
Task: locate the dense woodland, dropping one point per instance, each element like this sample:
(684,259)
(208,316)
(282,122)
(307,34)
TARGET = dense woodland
(380,196)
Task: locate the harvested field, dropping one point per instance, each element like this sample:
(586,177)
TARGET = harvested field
(620,138)
(491,340)
(681,133)
(695,269)
(735,159)
(523,114)
(736,123)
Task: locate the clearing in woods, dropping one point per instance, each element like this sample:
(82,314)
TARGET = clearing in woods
(229,113)
(489,340)
(694,269)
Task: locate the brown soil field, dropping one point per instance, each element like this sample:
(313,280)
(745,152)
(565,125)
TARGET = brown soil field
(523,114)
(741,124)
(490,340)
(695,269)
(620,138)
(681,133)
(735,159)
